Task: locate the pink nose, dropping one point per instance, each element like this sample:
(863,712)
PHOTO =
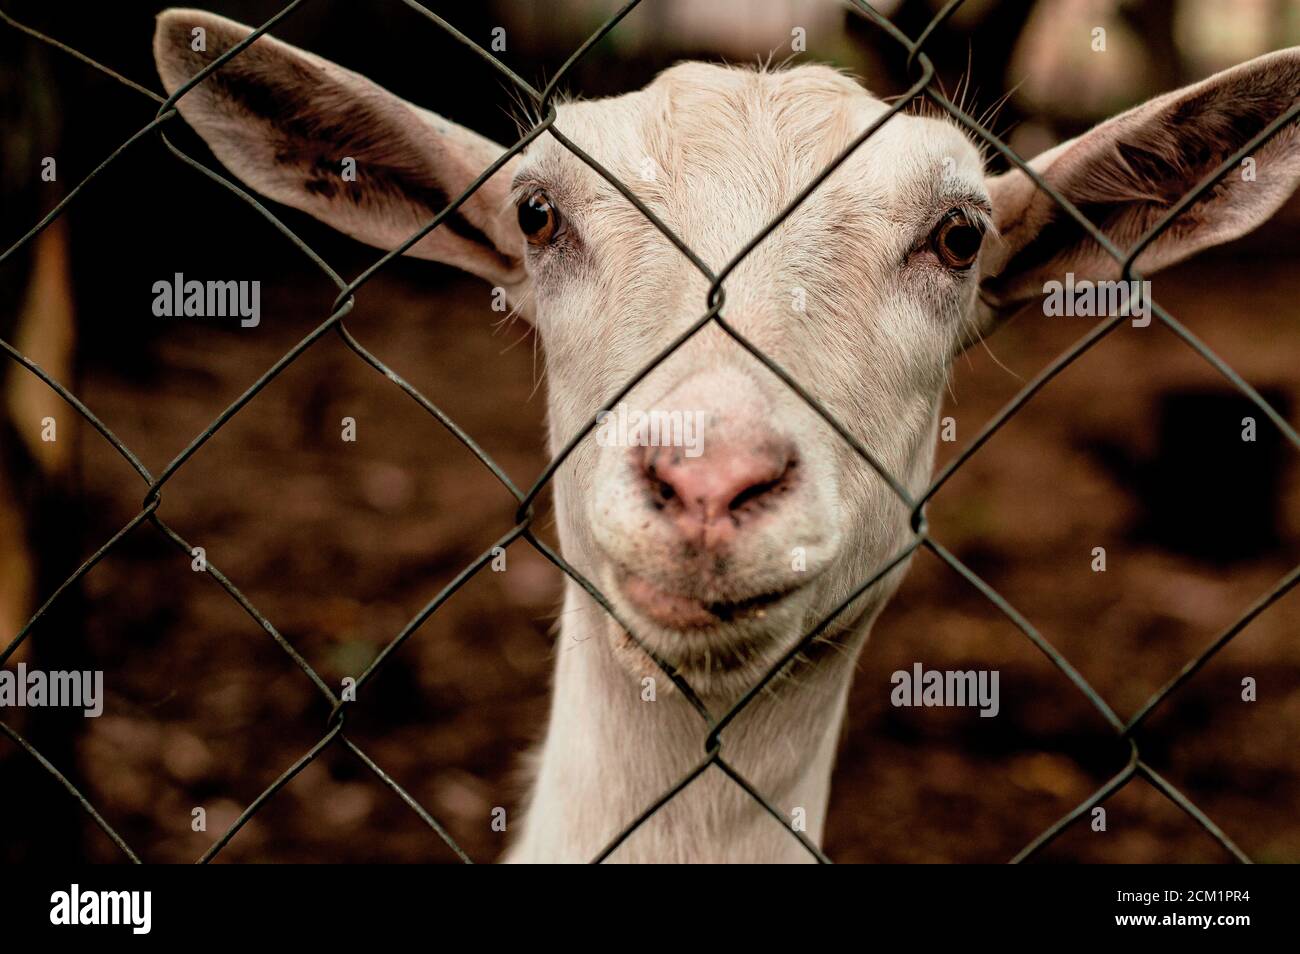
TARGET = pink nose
(710,497)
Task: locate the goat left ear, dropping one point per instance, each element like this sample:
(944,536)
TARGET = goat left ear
(1124,174)
(288,123)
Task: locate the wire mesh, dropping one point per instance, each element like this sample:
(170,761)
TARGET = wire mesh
(713,726)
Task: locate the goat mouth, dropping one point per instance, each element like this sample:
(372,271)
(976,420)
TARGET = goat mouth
(678,612)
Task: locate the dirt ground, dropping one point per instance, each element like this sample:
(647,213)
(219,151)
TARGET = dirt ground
(340,544)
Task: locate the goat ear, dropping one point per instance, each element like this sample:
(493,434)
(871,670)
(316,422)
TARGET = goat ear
(1124,174)
(283,121)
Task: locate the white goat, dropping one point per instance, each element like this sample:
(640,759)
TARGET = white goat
(720,562)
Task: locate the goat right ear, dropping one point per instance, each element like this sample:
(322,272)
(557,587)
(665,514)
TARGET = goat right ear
(1124,174)
(284,121)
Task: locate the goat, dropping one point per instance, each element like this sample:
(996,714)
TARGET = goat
(720,561)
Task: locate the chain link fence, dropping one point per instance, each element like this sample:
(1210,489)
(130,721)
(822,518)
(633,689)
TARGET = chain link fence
(712,726)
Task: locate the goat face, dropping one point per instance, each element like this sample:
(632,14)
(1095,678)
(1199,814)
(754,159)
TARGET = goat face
(720,513)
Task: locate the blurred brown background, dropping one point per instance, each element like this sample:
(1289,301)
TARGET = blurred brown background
(340,544)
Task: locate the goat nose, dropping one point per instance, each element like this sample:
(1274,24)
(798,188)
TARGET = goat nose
(712,495)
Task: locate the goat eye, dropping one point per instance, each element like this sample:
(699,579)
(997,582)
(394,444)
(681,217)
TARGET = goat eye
(538,218)
(956,240)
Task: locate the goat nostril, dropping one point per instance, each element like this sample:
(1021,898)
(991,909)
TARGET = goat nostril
(753,493)
(662,491)
(761,489)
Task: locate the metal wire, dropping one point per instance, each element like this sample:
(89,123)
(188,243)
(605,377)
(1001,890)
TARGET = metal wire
(714,726)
